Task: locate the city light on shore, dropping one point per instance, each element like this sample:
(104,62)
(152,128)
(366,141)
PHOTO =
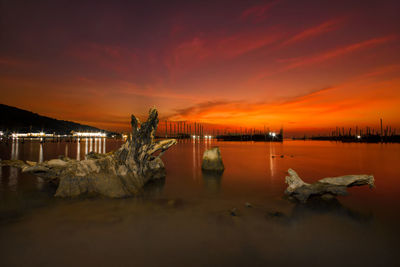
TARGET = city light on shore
(41,134)
(88,134)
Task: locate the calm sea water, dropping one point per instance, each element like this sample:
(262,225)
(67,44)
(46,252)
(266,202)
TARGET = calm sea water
(185,220)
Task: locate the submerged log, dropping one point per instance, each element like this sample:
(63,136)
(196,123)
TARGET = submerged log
(122,173)
(326,187)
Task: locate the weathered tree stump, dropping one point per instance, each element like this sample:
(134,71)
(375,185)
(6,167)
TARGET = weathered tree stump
(122,173)
(326,188)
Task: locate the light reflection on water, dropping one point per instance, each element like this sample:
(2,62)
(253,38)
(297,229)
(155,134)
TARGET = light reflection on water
(271,159)
(99,146)
(78,149)
(41,152)
(256,166)
(188,212)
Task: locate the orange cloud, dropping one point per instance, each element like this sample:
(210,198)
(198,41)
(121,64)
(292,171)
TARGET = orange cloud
(207,49)
(324,27)
(350,103)
(303,61)
(293,63)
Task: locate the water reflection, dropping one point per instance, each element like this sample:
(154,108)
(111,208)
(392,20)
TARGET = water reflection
(40,153)
(90,145)
(212,181)
(78,149)
(14,149)
(39,181)
(154,188)
(194,158)
(317,207)
(66,150)
(35,150)
(98,145)
(13,177)
(272,166)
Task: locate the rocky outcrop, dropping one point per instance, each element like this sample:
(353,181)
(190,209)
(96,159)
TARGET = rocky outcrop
(122,173)
(212,160)
(326,187)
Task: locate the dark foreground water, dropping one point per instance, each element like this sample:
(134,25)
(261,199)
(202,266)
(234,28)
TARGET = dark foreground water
(185,220)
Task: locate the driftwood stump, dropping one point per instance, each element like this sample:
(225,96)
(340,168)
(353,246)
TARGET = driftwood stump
(326,188)
(212,160)
(122,173)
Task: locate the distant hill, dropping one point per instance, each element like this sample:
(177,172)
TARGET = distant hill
(13,119)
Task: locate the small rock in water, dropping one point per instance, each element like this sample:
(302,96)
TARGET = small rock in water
(282,156)
(233,212)
(212,160)
(273,157)
(275,214)
(248,205)
(31,163)
(171,202)
(56,163)
(175,203)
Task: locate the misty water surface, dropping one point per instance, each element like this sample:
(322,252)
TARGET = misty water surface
(185,219)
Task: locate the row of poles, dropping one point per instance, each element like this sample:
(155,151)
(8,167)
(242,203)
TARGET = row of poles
(384,131)
(185,129)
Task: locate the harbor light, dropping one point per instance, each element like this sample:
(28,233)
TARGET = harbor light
(273,134)
(358,137)
(1,133)
(41,134)
(87,134)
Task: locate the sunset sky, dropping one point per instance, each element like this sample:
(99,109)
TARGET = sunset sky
(304,65)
